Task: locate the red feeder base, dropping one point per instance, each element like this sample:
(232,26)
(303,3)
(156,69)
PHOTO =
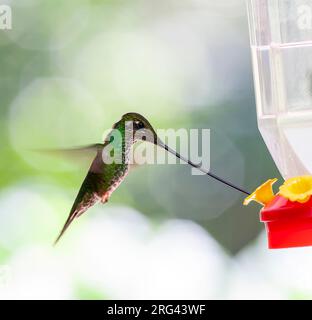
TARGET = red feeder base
(288,224)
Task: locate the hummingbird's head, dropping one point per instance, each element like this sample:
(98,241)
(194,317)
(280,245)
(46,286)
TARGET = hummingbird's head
(142,129)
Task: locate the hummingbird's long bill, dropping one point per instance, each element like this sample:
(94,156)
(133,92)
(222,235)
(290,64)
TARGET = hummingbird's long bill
(164,146)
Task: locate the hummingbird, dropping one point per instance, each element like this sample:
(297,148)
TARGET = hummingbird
(104,178)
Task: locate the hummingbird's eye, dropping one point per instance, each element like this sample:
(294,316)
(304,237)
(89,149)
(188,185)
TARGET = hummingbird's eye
(138,125)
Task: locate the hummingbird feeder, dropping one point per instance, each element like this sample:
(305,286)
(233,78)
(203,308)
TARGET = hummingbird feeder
(281,45)
(288,214)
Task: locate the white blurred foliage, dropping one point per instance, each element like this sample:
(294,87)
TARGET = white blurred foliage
(38,273)
(285,270)
(134,261)
(283,273)
(118,253)
(27,213)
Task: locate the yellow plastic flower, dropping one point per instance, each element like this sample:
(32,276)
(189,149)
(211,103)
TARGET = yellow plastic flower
(263,194)
(297,189)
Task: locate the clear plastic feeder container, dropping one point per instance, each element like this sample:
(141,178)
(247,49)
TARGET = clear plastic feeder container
(281,44)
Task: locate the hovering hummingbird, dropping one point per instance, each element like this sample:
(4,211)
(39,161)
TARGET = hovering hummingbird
(103,178)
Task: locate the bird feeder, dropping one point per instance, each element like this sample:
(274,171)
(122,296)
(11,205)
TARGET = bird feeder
(288,214)
(281,45)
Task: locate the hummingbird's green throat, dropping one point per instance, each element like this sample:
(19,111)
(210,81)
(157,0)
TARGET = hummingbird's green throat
(104,176)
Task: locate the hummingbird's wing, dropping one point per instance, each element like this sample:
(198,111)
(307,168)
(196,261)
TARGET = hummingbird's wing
(81,154)
(91,147)
(86,198)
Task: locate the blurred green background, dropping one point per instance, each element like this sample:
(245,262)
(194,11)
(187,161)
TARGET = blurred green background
(68,71)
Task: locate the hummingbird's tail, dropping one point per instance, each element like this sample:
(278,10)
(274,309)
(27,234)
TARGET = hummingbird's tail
(66,225)
(75,213)
(85,199)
